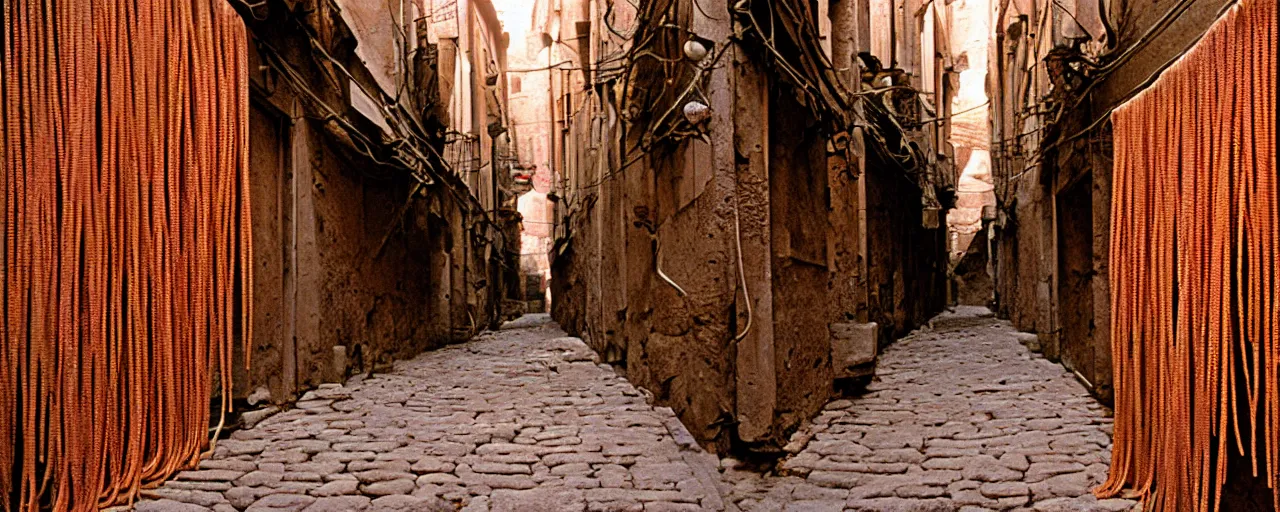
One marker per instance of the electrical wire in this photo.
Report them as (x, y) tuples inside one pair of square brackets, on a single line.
[(742, 269), (657, 266), (1043, 150), (1114, 63), (253, 9), (954, 114), (422, 173), (1133, 91), (557, 65), (1071, 15)]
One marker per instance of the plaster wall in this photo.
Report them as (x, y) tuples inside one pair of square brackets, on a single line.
[(355, 264), (671, 212), (378, 305), (906, 268), (375, 25), (1051, 258), (646, 265), (801, 262)]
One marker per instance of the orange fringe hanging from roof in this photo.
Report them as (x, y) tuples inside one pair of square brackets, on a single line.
[(126, 241), (1195, 264)]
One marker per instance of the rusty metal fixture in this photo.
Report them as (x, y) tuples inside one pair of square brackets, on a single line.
[(641, 213), (1061, 64), (1195, 264), (128, 250)]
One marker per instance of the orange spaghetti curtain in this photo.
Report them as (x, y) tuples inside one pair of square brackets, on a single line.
[(1195, 259), (126, 217)]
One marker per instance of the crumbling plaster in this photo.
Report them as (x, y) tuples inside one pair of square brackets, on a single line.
[(757, 185), (1070, 313), (350, 255)]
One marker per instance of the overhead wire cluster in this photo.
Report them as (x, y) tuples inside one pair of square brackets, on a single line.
[(1092, 71), (408, 147), (648, 64), (656, 74), (659, 83)]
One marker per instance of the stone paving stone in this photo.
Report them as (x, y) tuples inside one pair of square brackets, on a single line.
[(523, 419), (167, 505), (338, 504)]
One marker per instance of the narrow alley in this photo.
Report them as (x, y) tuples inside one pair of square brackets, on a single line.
[(526, 419), (522, 419), (960, 417), (639, 255)]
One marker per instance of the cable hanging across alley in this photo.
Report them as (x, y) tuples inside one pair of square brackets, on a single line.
[(127, 245), (1195, 272)]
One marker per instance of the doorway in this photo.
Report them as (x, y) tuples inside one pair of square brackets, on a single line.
[(1075, 276)]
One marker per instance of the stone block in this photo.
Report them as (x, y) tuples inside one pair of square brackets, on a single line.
[(852, 344), (339, 370), (1030, 339)]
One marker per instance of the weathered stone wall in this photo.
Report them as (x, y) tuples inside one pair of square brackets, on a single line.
[(647, 267), (355, 262), (1031, 223), (1053, 181), (801, 264), (674, 212), (972, 273), (378, 305), (270, 199), (531, 67), (377, 300), (755, 361), (970, 136), (1052, 260), (907, 276)]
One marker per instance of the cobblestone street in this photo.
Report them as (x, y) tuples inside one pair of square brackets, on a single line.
[(518, 420), (962, 417)]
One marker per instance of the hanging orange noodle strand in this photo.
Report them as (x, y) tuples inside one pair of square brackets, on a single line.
[(125, 241), (1195, 266)]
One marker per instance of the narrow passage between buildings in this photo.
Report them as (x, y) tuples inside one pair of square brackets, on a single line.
[(961, 417)]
